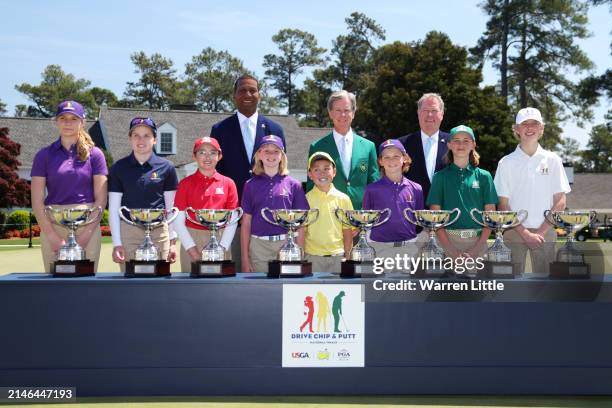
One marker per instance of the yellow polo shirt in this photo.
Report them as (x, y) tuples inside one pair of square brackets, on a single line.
[(324, 236)]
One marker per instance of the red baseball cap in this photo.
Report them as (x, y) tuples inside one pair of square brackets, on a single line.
[(206, 140)]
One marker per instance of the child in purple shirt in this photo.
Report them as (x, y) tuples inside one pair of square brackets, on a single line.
[(270, 187), (396, 192), (73, 171)]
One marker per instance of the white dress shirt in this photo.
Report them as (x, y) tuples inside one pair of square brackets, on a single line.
[(344, 144), (251, 122), (430, 159)]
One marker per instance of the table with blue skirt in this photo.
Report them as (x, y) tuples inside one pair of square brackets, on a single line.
[(112, 336)]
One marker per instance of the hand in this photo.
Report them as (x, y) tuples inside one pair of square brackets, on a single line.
[(194, 253), (533, 240), (246, 264), (85, 235), (454, 253), (172, 252), (118, 254), (55, 241)]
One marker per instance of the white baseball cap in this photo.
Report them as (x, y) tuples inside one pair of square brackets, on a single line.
[(528, 113)]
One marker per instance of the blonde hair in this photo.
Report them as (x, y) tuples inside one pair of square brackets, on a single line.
[(405, 166), (84, 142), (283, 166), (474, 157)]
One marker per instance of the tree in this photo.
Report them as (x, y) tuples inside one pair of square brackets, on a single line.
[(14, 191), (570, 151), (299, 49), (103, 96), (402, 72), (157, 84), (598, 154), (532, 43), (2, 108), (57, 86), (354, 51), (210, 78), (312, 100)]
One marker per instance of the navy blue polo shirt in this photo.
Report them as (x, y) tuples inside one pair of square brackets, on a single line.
[(142, 185)]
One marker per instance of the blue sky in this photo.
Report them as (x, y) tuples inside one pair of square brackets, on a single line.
[(94, 39)]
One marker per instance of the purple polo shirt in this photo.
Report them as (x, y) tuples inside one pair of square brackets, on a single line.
[(272, 192), (68, 180), (384, 193)]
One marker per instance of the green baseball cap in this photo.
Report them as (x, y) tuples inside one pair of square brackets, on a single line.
[(462, 129)]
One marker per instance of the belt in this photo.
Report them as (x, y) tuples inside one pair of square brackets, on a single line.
[(329, 256), (464, 233), (403, 243), (271, 237)]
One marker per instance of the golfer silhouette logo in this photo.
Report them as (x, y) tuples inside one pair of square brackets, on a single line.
[(337, 312), (309, 305), (322, 311)]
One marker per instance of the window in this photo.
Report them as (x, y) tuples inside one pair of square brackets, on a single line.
[(166, 139)]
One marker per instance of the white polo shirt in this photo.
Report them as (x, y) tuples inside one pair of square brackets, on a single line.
[(529, 182)]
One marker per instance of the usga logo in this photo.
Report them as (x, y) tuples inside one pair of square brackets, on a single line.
[(343, 355), (299, 354)]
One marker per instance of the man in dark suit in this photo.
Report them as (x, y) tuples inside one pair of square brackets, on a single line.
[(427, 147), (239, 133)]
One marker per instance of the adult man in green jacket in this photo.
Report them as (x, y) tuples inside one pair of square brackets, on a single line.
[(354, 155)]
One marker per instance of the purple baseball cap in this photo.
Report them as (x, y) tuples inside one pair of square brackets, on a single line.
[(271, 139), (391, 143), (72, 107), (148, 122)]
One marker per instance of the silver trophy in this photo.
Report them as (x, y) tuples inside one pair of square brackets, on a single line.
[(290, 220), (214, 220), (431, 220), (499, 256), (71, 257), (147, 256), (290, 257), (364, 220), (570, 260)]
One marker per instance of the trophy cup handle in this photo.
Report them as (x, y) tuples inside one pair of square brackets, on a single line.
[(174, 213), (519, 220), (475, 219), (409, 219), (341, 216), (314, 218), (265, 217), (124, 218), (456, 217), (235, 218), (380, 222), (549, 218), (189, 216), (49, 213), (97, 218)]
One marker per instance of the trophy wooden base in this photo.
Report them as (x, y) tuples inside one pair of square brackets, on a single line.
[(293, 269), (147, 269), (72, 269), (210, 269), (358, 269), (499, 270), (569, 270)]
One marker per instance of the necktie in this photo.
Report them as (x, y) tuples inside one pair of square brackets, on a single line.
[(249, 140), (345, 156), (429, 164)]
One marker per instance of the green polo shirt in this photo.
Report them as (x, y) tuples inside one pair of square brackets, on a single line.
[(454, 187)]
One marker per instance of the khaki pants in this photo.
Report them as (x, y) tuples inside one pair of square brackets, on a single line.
[(540, 257), (387, 250), (132, 237), (464, 244), (261, 252), (92, 250), (330, 264), (201, 238)]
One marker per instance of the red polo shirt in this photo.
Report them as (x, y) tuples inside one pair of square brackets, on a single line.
[(198, 191)]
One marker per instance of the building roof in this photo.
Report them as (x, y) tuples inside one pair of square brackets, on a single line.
[(193, 124), (591, 191), (33, 134)]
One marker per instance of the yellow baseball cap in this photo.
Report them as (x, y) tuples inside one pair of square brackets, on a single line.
[(320, 156)]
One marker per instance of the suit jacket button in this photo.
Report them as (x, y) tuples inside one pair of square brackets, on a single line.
[(348, 183)]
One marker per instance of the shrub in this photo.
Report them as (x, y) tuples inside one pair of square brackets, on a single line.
[(105, 231), (12, 234), (104, 220), (19, 219)]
